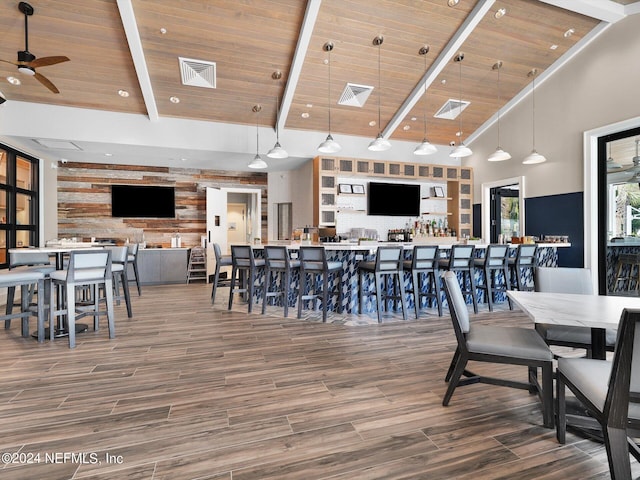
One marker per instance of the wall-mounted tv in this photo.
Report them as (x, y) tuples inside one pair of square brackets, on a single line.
[(393, 199), (142, 201)]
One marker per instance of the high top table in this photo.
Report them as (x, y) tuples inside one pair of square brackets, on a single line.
[(597, 312)]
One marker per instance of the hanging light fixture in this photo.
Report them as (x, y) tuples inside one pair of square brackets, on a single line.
[(461, 150), (611, 163), (257, 161), (534, 156), (499, 155), (277, 151), (380, 144), (425, 148), (329, 145)]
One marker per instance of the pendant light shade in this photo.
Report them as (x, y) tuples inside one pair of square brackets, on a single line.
[(534, 156), (499, 155), (329, 145), (277, 151), (257, 162), (380, 144), (425, 148), (461, 150)]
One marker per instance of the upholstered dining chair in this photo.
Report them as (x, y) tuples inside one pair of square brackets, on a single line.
[(610, 391), (567, 280), (496, 344)]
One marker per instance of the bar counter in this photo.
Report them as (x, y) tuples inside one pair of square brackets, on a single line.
[(351, 253)]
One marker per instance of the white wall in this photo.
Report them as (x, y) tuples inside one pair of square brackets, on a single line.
[(600, 86), (48, 202)]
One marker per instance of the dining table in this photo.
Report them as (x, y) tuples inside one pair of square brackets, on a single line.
[(597, 312)]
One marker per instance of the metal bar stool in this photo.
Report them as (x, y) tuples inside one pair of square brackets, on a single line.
[(461, 261), (119, 262), (387, 266), (624, 270), (494, 262), (278, 264), (245, 265), (132, 259), (424, 261), (521, 267), (315, 267), (221, 261), (25, 279)]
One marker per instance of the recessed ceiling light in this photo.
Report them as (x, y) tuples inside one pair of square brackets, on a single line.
[(501, 12), (443, 81), (309, 105), (453, 3), (163, 30), (372, 123), (183, 159), (123, 93), (553, 47), (108, 154), (458, 134), (413, 119), (14, 80), (305, 115), (406, 127), (569, 32), (174, 99)]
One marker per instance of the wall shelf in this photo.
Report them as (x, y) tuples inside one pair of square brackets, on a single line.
[(436, 213)]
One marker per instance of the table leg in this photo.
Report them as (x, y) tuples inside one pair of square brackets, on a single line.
[(598, 343)]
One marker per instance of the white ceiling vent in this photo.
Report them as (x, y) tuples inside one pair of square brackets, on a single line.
[(451, 109), (56, 144), (197, 73), (355, 95)]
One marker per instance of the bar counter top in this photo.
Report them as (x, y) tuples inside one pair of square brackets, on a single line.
[(353, 246)]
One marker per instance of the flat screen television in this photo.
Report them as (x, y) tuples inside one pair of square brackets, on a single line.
[(142, 201), (393, 199)]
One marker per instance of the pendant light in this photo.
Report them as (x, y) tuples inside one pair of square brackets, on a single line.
[(499, 155), (611, 163), (257, 162), (380, 144), (277, 151), (534, 156), (461, 150), (329, 145), (425, 148)]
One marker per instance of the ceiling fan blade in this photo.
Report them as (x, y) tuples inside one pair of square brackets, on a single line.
[(44, 61), (12, 63), (46, 82)]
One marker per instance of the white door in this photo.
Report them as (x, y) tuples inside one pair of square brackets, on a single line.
[(216, 225), (237, 223)]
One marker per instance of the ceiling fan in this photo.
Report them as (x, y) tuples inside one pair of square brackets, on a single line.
[(633, 169), (27, 62)]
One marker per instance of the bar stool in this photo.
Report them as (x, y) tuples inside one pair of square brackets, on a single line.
[(625, 264), (27, 260), (494, 262), (221, 261), (424, 261), (245, 265), (119, 261), (278, 264), (315, 267), (388, 266), (461, 261), (25, 279), (133, 260), (521, 267)]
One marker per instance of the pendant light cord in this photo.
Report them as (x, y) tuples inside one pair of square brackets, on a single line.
[(257, 137), (379, 86), (533, 109), (329, 88), (499, 105), (425, 98)]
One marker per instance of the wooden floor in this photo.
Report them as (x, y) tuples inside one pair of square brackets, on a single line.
[(191, 391)]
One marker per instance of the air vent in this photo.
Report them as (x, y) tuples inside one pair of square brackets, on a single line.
[(197, 73), (56, 144), (451, 109), (355, 95)]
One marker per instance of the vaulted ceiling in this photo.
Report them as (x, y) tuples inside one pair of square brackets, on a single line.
[(135, 45)]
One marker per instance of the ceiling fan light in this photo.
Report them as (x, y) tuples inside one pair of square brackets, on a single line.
[(425, 148), (499, 155), (460, 151), (257, 163), (380, 144), (277, 152), (23, 69), (329, 145), (533, 158)]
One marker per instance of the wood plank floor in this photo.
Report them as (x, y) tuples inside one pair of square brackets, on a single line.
[(191, 391)]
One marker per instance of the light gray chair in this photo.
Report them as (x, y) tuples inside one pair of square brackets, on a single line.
[(610, 391), (278, 264), (31, 261), (221, 261), (245, 271), (496, 344), (25, 279), (425, 275), (316, 272), (568, 280), (132, 259), (86, 268), (119, 265), (461, 260)]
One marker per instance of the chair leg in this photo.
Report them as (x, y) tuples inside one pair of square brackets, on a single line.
[(436, 283), (286, 278), (11, 292), (452, 365), (265, 290), (301, 289), (472, 286), (458, 370), (216, 277), (71, 314), (561, 411), (403, 300), (615, 440), (547, 395), (137, 276), (126, 293), (42, 295), (379, 279), (250, 284), (234, 272), (325, 295), (416, 292)]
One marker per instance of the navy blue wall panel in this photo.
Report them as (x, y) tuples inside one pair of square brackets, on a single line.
[(477, 220), (558, 215)]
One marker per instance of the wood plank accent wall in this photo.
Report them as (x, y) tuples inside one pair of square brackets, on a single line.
[(84, 201)]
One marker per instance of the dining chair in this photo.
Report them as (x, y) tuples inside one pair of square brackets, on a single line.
[(86, 268), (132, 259), (278, 264), (119, 265), (221, 261), (387, 267), (495, 272), (568, 280), (460, 261), (320, 279), (496, 344), (425, 276), (521, 267), (245, 269), (610, 392), (28, 260), (25, 279)]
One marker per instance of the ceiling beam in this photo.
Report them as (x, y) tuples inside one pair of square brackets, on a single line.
[(449, 51), (310, 18), (604, 10), (137, 54)]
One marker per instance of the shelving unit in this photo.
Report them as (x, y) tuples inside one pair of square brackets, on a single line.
[(197, 268)]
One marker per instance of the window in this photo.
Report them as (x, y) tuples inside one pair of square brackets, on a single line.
[(18, 201)]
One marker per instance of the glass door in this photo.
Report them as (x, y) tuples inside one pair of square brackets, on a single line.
[(505, 213)]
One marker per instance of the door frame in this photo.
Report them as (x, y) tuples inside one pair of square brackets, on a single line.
[(486, 204)]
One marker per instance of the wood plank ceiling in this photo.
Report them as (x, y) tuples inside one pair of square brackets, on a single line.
[(251, 39)]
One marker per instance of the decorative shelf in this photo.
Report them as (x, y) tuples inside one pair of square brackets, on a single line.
[(437, 198), (436, 213)]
